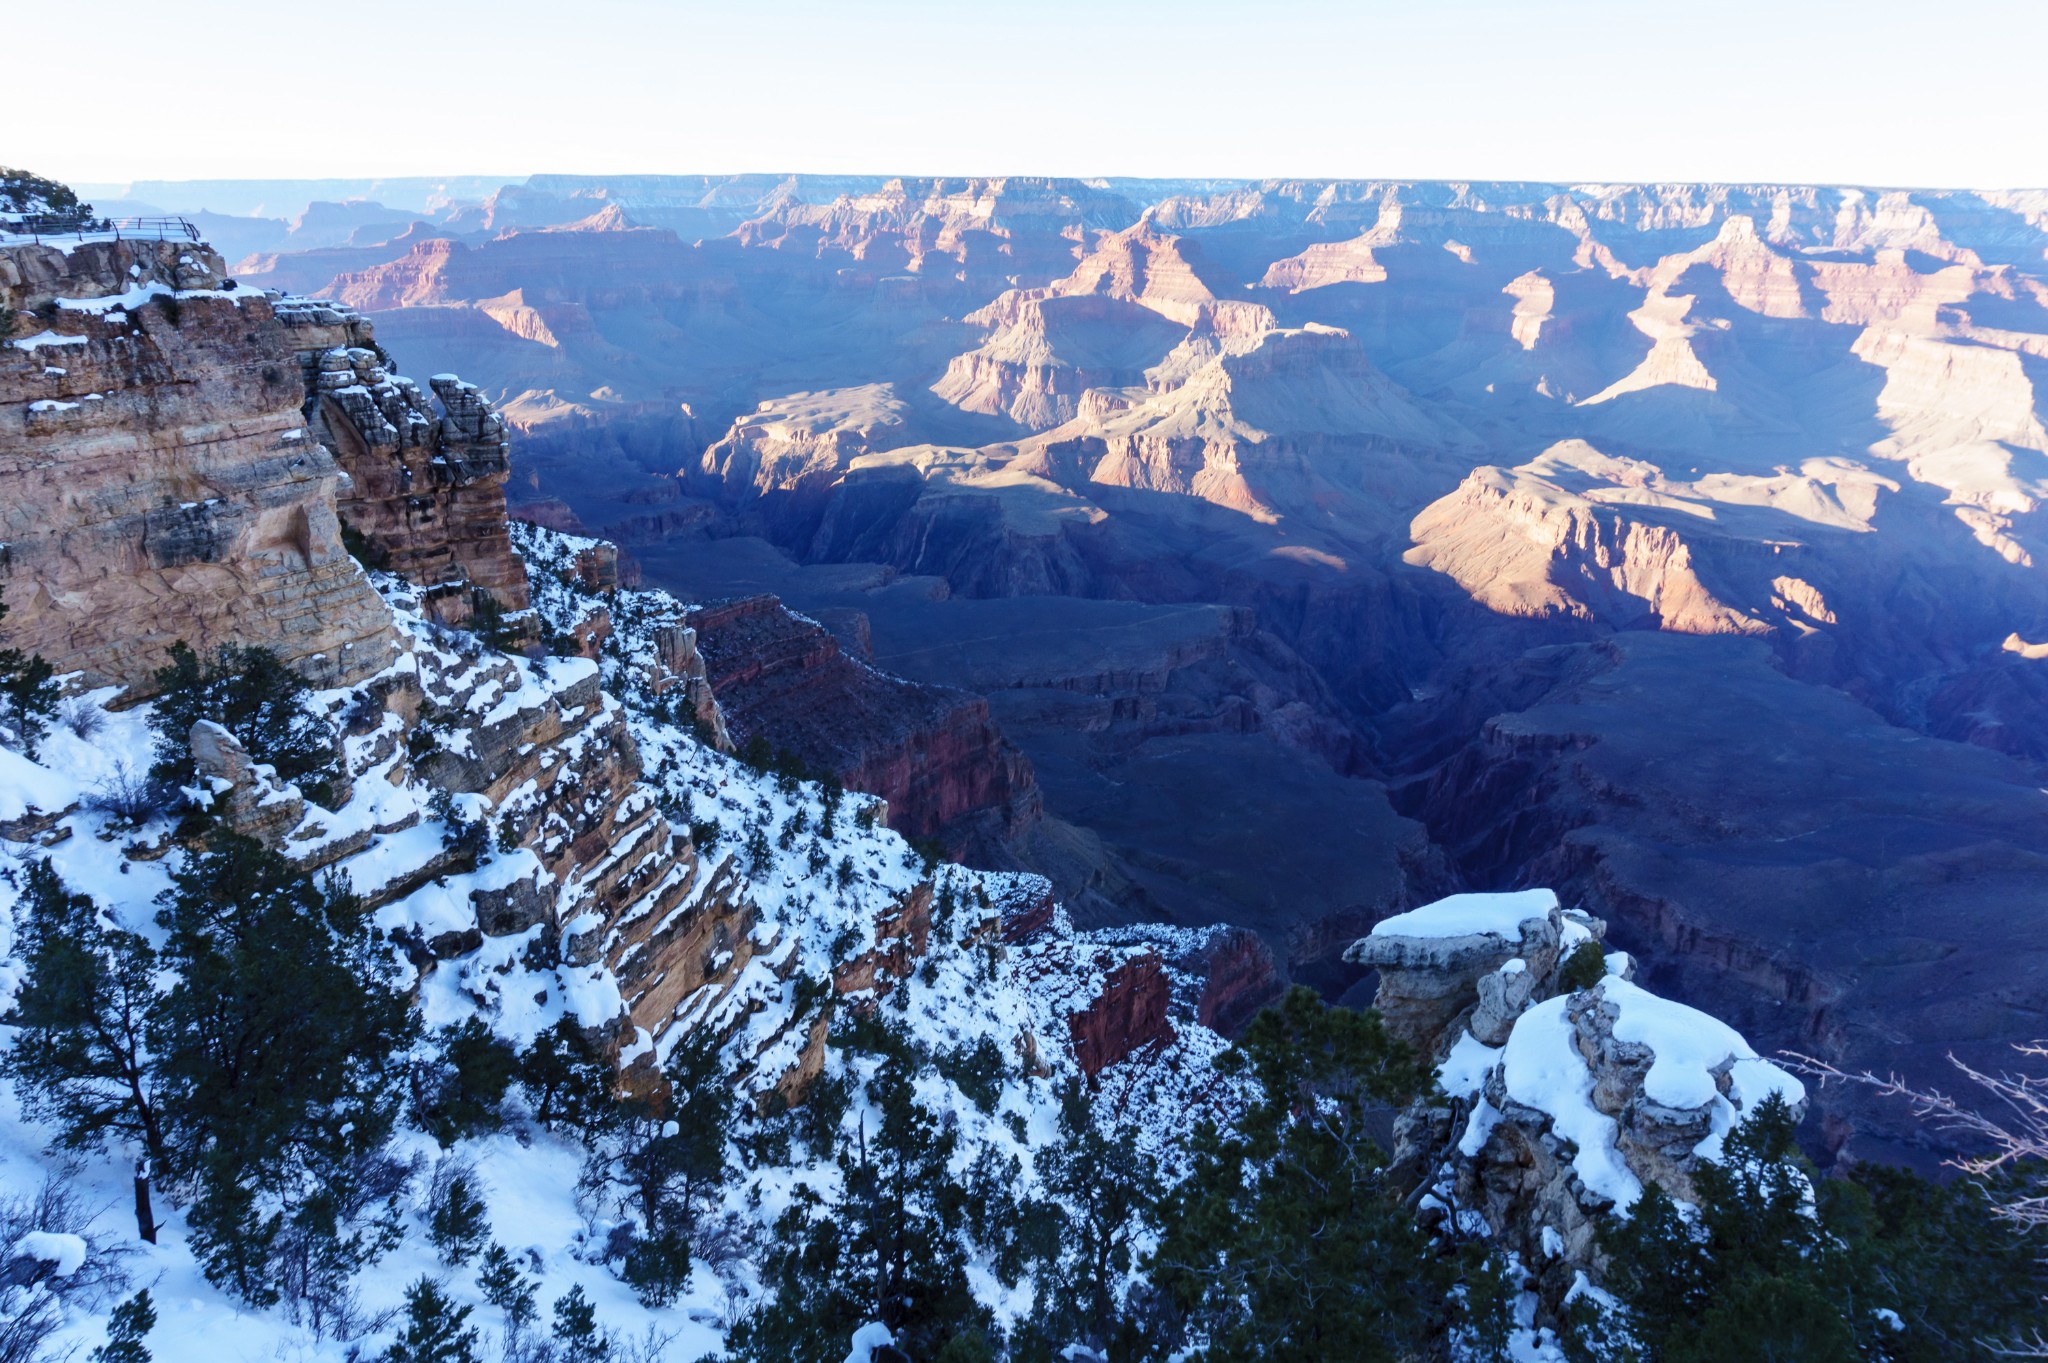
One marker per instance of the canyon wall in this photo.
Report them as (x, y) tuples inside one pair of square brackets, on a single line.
[(157, 481)]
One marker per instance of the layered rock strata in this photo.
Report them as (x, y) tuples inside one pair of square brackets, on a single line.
[(426, 489), (1563, 1093), (157, 483), (930, 752)]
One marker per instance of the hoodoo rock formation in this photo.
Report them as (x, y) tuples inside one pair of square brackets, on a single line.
[(1562, 1096)]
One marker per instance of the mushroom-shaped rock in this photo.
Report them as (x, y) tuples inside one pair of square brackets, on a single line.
[(1431, 960)]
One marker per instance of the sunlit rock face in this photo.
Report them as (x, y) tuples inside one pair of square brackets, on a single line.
[(157, 481)]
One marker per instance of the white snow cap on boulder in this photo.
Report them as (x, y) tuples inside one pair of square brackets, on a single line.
[(867, 1340), (64, 1253), (1636, 1082), (1471, 915)]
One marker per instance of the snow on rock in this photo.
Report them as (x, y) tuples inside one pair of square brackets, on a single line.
[(541, 839), (1470, 956), (65, 1254), (26, 786), (1542, 1071), (1471, 915), (45, 338), (867, 1339), (1556, 1106)]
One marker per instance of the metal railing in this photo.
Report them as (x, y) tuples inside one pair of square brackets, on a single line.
[(40, 225)]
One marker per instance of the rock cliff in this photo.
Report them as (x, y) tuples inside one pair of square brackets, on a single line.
[(426, 490), (930, 752), (1562, 1094), (157, 481)]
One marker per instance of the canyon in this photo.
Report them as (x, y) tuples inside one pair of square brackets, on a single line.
[(1288, 553)]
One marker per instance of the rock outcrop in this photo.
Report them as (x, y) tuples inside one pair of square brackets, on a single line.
[(930, 752), (427, 491), (1563, 1094), (1128, 1015), (157, 481)]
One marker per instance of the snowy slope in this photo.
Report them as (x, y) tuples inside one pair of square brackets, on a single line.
[(821, 905)]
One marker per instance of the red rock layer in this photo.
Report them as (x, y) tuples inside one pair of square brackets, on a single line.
[(930, 751), (1126, 1017)]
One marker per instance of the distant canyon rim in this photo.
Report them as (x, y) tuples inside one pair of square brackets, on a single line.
[(1287, 553)]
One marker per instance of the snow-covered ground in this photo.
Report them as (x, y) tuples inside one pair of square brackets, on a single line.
[(819, 899)]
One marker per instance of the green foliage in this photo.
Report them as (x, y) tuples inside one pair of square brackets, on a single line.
[(818, 1120), (930, 852), (1961, 1278), (466, 837), (126, 1329), (81, 1063), (1110, 1193), (578, 1336), (977, 1071), (666, 1157), (24, 192), (489, 622), (456, 1223), (251, 693), (891, 1250), (1754, 1275), (461, 1090), (1584, 968), (786, 767), (506, 1288), (28, 695), (1011, 1233), (568, 1080), (436, 1329), (277, 1051), (1288, 1242)]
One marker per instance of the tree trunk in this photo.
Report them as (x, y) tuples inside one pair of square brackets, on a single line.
[(145, 1215)]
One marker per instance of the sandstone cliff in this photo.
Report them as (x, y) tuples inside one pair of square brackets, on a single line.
[(427, 491), (930, 752), (157, 482)]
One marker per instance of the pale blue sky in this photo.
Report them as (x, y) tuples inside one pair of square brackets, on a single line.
[(1879, 92)]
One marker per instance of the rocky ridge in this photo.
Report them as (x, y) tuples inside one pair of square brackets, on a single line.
[(1559, 1099)]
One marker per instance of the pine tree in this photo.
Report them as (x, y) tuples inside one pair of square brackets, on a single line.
[(28, 696), (252, 693), (890, 1251), (1109, 1194), (126, 1328), (1959, 1279), (506, 1288), (668, 1156), (436, 1329), (1753, 1274), (1288, 1243), (568, 1081), (458, 1225), (460, 1091), (278, 1054), (578, 1337), (84, 1008)]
